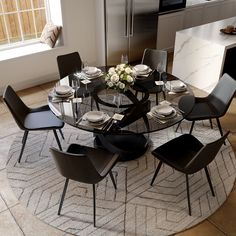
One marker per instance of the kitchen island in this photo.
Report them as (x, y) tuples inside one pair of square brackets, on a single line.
[(202, 54)]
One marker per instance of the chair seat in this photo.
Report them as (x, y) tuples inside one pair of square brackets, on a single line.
[(201, 110), (41, 120), (178, 152), (101, 159)]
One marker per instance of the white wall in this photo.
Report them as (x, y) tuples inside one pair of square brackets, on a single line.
[(78, 35)]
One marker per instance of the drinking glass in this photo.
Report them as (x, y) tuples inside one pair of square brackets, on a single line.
[(160, 69), (124, 59), (117, 100), (76, 84)]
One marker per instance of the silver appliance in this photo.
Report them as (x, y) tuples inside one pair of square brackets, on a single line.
[(171, 5), (130, 27)]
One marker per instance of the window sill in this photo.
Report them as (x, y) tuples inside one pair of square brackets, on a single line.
[(24, 51)]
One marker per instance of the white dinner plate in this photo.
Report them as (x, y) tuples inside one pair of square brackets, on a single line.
[(177, 86), (93, 75), (63, 89), (141, 68), (95, 116), (164, 110), (91, 70), (71, 93)]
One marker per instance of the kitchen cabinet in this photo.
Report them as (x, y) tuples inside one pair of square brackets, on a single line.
[(211, 12), (227, 9), (167, 27), (192, 16)]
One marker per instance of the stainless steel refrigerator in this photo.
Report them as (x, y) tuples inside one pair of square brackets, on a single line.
[(130, 26)]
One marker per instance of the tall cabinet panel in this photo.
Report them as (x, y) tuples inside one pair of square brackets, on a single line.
[(143, 27), (116, 20)]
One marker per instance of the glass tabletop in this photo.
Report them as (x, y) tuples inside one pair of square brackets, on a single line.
[(92, 107)]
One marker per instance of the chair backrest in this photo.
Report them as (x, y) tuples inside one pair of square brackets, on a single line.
[(77, 167), (186, 104), (154, 57), (69, 64), (16, 106), (222, 94), (205, 155)]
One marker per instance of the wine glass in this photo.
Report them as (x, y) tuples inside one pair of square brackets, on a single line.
[(76, 84), (160, 69)]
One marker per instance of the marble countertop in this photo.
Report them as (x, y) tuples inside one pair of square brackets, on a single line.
[(211, 32), (191, 3)]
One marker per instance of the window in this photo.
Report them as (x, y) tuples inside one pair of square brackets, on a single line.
[(22, 20)]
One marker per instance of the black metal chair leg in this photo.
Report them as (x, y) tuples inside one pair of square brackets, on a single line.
[(23, 144), (164, 95), (94, 206), (63, 196), (156, 172), (209, 181), (188, 195), (191, 129), (157, 99), (57, 139), (91, 103), (62, 135), (220, 128), (112, 179), (177, 126), (210, 120)]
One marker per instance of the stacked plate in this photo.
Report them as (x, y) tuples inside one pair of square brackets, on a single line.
[(63, 91), (177, 86), (163, 112), (96, 118), (92, 72), (142, 69)]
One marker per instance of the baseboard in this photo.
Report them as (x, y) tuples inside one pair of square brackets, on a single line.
[(31, 83)]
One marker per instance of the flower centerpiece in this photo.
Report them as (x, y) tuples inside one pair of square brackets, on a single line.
[(120, 77)]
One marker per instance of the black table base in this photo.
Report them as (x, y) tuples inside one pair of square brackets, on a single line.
[(129, 146)]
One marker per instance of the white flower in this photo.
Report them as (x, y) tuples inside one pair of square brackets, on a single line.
[(114, 78), (111, 70), (120, 66), (128, 70), (120, 77), (121, 85), (130, 79), (110, 84)]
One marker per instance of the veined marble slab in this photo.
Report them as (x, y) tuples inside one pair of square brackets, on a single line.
[(200, 51)]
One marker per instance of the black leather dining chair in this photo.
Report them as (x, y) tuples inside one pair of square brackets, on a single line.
[(188, 155), (31, 119), (68, 64), (215, 105), (86, 165), (154, 58)]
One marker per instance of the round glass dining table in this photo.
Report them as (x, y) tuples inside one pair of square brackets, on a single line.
[(92, 94), (123, 118)]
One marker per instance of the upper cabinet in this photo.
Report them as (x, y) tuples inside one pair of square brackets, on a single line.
[(193, 15)]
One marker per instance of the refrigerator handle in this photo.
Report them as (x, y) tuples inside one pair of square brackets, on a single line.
[(132, 19), (126, 18)]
